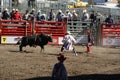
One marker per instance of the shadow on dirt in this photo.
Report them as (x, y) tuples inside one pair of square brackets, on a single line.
[(114, 53), (15, 51), (85, 77), (53, 54), (80, 52)]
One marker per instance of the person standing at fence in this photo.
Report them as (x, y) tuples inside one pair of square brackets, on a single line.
[(85, 17), (25, 15), (74, 17), (11, 13), (51, 15), (32, 15), (93, 16), (59, 16), (109, 19), (68, 43), (68, 17), (90, 41), (5, 14), (16, 15), (43, 17), (38, 16), (59, 70)]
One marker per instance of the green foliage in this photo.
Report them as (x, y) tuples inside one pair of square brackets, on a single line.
[(119, 2)]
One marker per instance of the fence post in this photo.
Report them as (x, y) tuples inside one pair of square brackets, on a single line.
[(98, 33), (33, 26), (25, 28), (0, 31)]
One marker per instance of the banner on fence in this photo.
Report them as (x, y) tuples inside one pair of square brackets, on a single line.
[(10, 39), (12, 30), (111, 41), (110, 35)]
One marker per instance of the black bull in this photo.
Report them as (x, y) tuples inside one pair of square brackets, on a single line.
[(35, 40)]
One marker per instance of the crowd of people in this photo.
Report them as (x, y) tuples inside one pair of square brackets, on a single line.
[(38, 16), (68, 15)]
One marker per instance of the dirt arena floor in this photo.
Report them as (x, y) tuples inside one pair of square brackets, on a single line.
[(101, 64)]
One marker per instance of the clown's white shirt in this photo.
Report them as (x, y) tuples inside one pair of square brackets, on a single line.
[(68, 41)]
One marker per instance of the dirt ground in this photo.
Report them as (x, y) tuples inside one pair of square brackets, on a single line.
[(101, 64)]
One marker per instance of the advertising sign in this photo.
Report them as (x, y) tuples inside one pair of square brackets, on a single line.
[(111, 41), (10, 39), (111, 34)]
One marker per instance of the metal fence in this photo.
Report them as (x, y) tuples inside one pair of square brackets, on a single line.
[(74, 26), (79, 28)]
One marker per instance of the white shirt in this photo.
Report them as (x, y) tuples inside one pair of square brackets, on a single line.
[(69, 38)]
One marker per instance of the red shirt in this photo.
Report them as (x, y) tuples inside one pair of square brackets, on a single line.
[(16, 16)]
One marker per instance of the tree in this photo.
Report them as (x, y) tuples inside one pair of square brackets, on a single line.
[(119, 2)]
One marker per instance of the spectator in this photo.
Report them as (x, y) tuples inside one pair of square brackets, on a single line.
[(99, 16), (68, 15), (25, 15), (85, 15), (11, 13), (43, 17), (51, 15), (74, 17), (59, 71), (32, 15), (68, 42), (16, 15), (109, 19), (38, 16), (5, 14), (93, 16), (59, 16)]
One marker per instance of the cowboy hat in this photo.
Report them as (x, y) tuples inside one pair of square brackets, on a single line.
[(39, 10), (59, 10), (84, 11), (13, 9), (74, 11), (68, 32), (16, 10), (61, 58), (33, 9), (6, 9)]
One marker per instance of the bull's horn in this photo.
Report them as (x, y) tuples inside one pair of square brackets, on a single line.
[(50, 34)]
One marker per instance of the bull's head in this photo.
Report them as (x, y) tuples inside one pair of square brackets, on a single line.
[(50, 38)]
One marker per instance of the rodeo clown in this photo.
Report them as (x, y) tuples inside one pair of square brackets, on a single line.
[(68, 42), (90, 41)]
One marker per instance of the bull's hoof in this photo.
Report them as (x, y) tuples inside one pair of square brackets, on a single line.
[(20, 50)]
